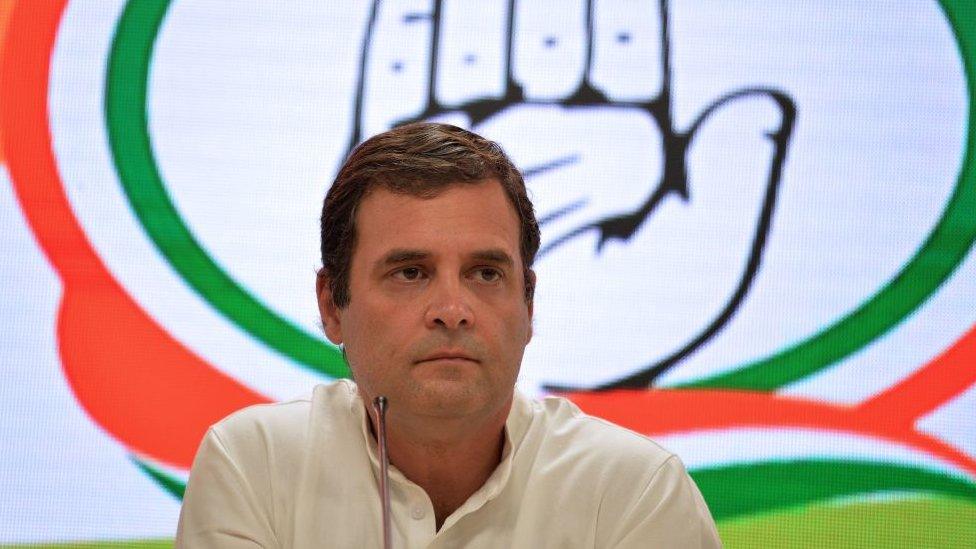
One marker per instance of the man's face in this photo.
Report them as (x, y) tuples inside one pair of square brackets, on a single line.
[(437, 319)]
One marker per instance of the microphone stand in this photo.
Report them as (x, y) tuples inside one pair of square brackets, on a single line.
[(379, 406)]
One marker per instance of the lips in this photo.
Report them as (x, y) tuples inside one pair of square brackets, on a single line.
[(448, 355)]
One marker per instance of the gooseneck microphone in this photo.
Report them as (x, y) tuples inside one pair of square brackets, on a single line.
[(379, 406)]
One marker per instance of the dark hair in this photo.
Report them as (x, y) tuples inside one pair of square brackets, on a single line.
[(420, 159)]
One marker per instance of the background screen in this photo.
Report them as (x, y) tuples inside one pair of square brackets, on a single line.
[(757, 227)]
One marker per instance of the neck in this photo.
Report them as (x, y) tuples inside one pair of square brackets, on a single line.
[(449, 458)]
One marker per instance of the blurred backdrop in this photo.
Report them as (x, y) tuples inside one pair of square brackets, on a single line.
[(757, 224)]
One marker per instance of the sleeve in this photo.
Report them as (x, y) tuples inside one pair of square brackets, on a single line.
[(670, 512), (220, 508)]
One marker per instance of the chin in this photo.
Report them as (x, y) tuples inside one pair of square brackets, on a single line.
[(452, 398)]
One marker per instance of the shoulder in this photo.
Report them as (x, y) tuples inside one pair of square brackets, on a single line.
[(595, 440), (637, 492), (580, 453), (280, 424)]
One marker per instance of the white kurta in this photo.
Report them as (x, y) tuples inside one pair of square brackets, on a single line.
[(304, 474)]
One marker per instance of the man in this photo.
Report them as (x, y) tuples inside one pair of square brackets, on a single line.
[(428, 238)]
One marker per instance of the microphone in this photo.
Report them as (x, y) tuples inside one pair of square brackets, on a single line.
[(379, 406)]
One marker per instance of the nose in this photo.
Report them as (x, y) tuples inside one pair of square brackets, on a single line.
[(449, 307)]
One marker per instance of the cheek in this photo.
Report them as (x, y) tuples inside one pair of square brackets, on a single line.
[(514, 330), (375, 332)]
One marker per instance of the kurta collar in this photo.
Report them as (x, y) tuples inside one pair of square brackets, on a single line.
[(516, 426)]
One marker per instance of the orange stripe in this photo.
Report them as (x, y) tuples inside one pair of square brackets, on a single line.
[(129, 374), (6, 6), (659, 412), (947, 376)]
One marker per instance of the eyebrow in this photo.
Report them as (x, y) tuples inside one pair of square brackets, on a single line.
[(494, 255), (400, 255), (403, 255)]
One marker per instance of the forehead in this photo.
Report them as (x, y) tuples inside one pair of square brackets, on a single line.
[(461, 218)]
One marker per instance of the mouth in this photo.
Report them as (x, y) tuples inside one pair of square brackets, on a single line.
[(448, 356)]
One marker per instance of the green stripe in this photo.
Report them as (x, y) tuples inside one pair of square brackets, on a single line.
[(175, 486), (892, 524), (942, 252), (128, 544), (896, 524), (749, 489), (128, 129), (742, 490)]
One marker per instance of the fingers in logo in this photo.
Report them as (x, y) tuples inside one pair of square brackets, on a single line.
[(396, 66), (433, 59), (423, 59), (550, 48), (471, 52), (627, 41)]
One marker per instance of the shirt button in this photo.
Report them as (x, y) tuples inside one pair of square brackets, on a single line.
[(417, 512)]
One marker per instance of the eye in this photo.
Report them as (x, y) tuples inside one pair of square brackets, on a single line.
[(408, 274), (487, 274)]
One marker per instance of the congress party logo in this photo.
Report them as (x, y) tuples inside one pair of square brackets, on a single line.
[(749, 213)]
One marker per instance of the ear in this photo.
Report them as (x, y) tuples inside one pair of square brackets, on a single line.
[(328, 311), (531, 302)]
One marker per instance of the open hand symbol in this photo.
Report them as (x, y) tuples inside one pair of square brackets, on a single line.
[(581, 97)]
